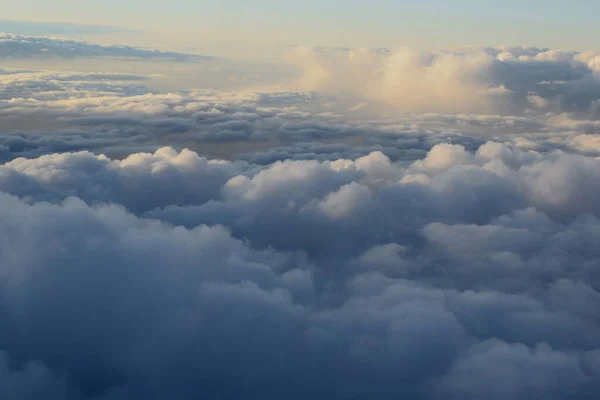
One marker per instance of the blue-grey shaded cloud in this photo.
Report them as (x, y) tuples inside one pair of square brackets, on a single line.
[(182, 313), (390, 280), (19, 46), (206, 244)]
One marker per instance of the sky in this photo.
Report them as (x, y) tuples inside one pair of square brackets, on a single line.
[(354, 23), (328, 200)]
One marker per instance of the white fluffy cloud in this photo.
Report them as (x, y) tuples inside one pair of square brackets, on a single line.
[(476, 80), (295, 245)]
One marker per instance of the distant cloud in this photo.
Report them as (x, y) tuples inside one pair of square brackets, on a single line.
[(469, 80), (19, 46), (118, 113)]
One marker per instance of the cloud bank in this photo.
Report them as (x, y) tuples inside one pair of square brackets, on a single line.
[(507, 80), (18, 46), (294, 244)]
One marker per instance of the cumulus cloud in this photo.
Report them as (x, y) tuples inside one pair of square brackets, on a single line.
[(476, 80), (135, 182), (289, 244), (159, 311)]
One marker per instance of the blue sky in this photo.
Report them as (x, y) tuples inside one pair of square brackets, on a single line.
[(425, 23)]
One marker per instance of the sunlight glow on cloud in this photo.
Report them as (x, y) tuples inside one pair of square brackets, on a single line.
[(474, 80)]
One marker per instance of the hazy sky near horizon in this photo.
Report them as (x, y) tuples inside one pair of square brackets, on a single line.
[(355, 23)]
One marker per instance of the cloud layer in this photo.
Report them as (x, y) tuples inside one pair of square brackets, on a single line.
[(19, 46), (353, 276), (294, 244)]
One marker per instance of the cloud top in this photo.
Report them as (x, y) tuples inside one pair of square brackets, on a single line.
[(294, 244), (476, 80)]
